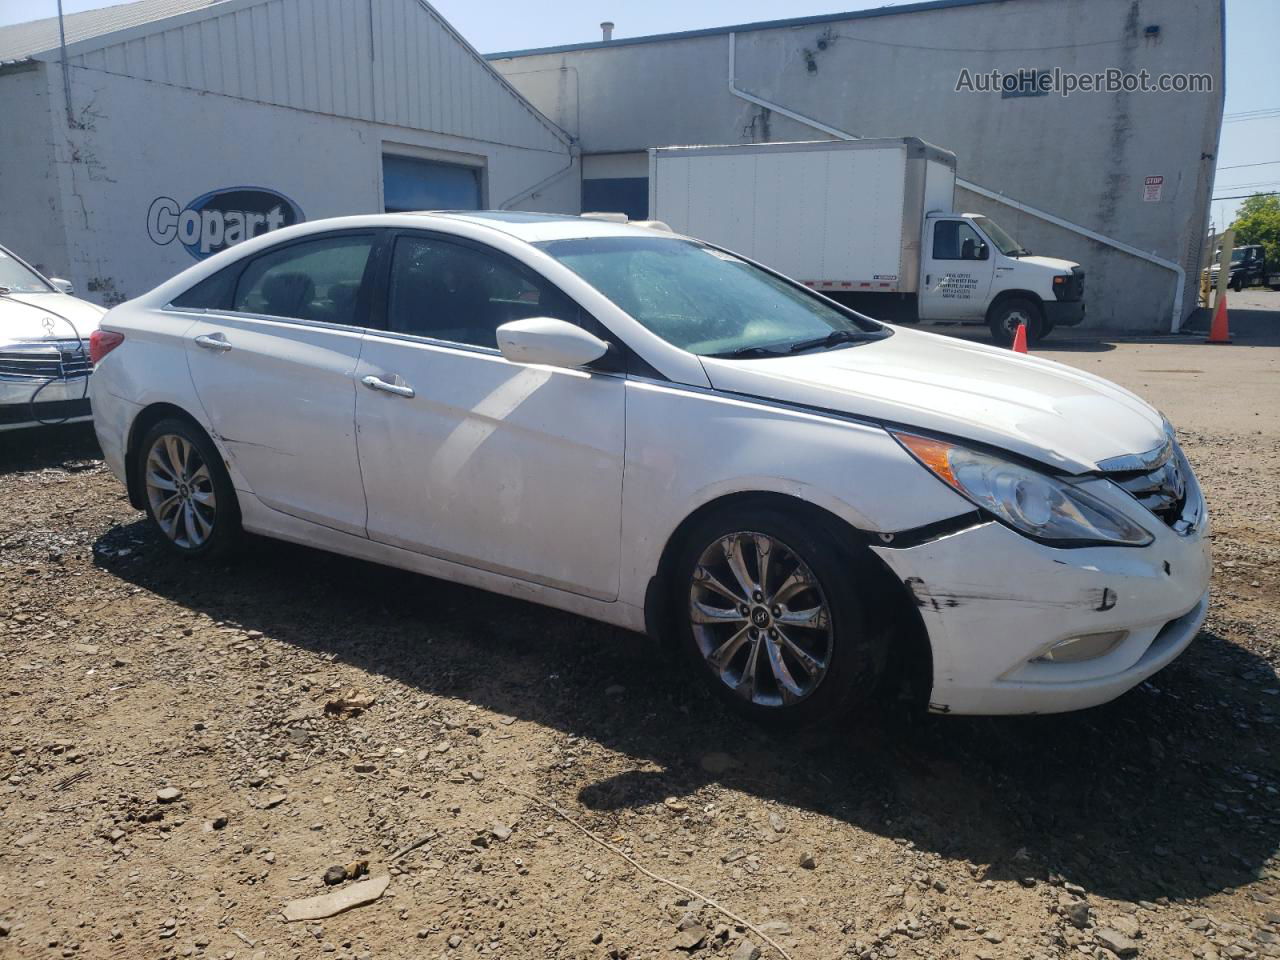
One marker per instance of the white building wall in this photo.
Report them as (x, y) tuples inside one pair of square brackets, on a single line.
[(893, 73), (31, 221), (142, 140), (300, 97), (387, 61)]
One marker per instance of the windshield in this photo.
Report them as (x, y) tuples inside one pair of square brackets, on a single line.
[(1004, 243), (1239, 253), (704, 300), (16, 277)]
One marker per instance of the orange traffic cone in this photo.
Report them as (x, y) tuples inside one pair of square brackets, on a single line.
[(1218, 329), (1020, 339)]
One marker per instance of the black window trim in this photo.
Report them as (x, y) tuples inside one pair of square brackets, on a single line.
[(363, 297)]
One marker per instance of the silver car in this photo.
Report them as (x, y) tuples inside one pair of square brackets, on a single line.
[(44, 347)]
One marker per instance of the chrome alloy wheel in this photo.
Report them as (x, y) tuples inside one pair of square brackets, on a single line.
[(180, 491), (760, 619)]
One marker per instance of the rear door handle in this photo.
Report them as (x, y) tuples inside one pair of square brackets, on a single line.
[(400, 390), (215, 342)]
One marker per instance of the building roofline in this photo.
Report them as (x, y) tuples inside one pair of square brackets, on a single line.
[(217, 8), (132, 31), (921, 7)]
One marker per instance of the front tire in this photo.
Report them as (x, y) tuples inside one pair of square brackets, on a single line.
[(769, 619), (1009, 314), (188, 493)]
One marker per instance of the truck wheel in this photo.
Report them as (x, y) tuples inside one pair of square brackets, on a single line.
[(1236, 284), (1009, 314)]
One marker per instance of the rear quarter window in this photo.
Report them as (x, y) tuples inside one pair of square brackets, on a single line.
[(212, 293)]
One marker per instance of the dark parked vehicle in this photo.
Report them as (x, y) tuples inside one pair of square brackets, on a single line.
[(1249, 268)]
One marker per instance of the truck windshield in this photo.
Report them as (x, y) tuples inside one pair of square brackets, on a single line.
[(16, 277), (706, 301), (1004, 243)]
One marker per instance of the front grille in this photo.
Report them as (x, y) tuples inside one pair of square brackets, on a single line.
[(46, 359), (1154, 479), (1073, 288)]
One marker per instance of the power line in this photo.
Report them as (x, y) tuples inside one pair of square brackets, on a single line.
[(1250, 185), (1265, 114), (1245, 113), (1245, 196), (1260, 163)]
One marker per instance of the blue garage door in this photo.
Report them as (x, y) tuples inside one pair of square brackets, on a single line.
[(412, 184)]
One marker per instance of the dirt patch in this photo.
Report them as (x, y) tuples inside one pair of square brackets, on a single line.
[(1151, 824)]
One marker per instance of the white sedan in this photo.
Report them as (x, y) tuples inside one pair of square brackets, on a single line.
[(44, 348), (647, 430)]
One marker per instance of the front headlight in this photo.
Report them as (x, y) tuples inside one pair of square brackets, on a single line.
[(1033, 503)]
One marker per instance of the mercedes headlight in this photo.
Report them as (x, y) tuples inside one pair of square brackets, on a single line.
[(1033, 503)]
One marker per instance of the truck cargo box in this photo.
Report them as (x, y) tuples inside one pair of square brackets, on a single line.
[(838, 215)]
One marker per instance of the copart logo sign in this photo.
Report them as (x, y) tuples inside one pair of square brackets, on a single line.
[(220, 218)]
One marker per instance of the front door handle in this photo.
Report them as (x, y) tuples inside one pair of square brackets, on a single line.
[(216, 342), (400, 390)]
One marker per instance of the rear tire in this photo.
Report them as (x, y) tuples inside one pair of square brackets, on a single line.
[(789, 645), (188, 492), (1005, 317)]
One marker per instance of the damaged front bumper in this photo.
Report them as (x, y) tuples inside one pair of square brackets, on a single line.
[(995, 604)]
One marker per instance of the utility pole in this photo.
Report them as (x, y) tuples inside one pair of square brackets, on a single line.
[(66, 75)]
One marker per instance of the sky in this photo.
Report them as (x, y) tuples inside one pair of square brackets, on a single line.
[(1248, 153)]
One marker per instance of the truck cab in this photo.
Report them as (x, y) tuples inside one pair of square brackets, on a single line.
[(973, 271), (1249, 267)]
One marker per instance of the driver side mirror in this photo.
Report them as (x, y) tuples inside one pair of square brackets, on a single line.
[(983, 251), (62, 286), (548, 341)]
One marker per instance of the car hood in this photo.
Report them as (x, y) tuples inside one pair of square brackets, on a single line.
[(41, 316), (1040, 409), (1051, 263)]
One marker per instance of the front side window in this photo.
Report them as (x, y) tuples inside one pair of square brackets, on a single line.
[(449, 291), (17, 277), (312, 280), (704, 300), (955, 240)]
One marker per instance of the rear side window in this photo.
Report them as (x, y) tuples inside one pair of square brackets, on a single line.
[(313, 280), (448, 291), (211, 293)]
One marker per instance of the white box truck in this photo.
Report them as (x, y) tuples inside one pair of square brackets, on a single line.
[(868, 222)]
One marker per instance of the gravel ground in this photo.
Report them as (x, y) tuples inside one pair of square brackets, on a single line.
[(184, 753)]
